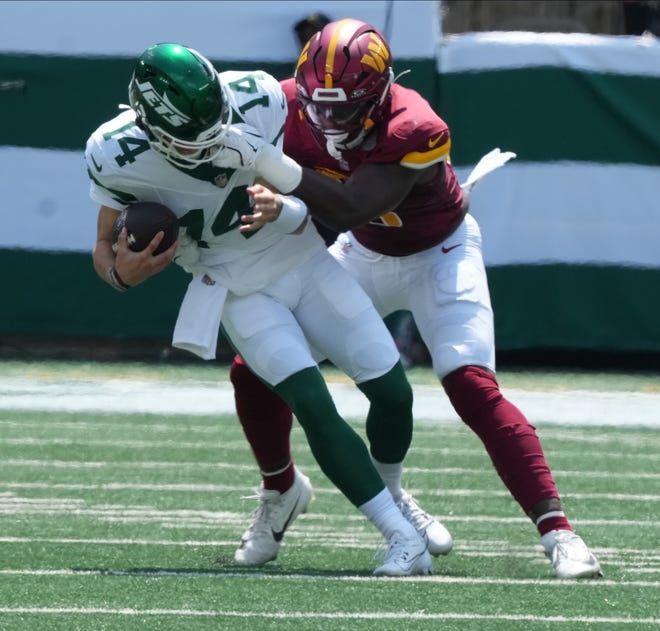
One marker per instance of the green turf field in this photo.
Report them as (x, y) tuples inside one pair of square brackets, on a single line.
[(121, 521)]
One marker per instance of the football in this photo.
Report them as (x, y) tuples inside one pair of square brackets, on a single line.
[(143, 220)]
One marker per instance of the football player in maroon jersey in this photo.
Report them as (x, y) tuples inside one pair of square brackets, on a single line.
[(376, 168)]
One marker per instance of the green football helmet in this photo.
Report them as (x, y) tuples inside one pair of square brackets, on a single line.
[(180, 103)]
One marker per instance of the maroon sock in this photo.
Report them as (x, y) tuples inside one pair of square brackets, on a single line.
[(266, 420), (509, 438)]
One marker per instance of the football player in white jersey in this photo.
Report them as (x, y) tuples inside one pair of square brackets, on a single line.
[(283, 300)]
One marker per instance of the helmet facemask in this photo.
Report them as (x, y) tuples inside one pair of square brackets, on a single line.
[(343, 121), (182, 152)]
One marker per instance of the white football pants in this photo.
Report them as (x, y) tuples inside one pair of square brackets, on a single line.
[(445, 288), (315, 310)]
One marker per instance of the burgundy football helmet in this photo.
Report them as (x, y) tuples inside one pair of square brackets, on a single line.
[(343, 78)]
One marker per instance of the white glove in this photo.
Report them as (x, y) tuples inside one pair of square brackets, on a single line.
[(241, 145), (187, 255), (492, 160)]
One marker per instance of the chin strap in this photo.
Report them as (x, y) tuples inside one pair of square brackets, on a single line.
[(332, 148)]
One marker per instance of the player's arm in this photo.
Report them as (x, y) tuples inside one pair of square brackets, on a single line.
[(371, 191), (125, 268)]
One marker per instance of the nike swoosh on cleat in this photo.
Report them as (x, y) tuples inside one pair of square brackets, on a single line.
[(277, 535), (450, 248)]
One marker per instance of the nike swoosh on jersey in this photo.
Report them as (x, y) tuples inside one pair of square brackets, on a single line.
[(277, 535), (99, 168), (450, 248), (434, 141), (257, 135)]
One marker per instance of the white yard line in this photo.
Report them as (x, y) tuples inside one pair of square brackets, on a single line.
[(298, 576), (338, 615), (580, 407), (444, 471), (6, 499)]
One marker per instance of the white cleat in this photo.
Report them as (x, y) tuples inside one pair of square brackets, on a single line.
[(405, 556), (437, 537), (569, 555), (276, 512)]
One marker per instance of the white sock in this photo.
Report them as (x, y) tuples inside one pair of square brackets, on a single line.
[(383, 513), (552, 513), (267, 474), (391, 475)]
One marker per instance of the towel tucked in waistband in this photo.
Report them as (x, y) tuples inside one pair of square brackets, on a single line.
[(198, 322)]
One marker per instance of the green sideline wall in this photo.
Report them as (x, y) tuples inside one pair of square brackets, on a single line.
[(571, 227)]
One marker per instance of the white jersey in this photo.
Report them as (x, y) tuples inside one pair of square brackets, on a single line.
[(208, 200)]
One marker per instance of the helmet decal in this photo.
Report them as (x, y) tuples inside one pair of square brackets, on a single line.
[(379, 54), (162, 105)]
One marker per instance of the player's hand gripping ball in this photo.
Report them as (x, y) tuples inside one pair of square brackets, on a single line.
[(143, 220)]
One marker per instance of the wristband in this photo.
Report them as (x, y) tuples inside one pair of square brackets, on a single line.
[(293, 213), (116, 281), (278, 169)]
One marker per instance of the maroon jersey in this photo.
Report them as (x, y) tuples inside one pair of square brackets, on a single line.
[(410, 133)]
